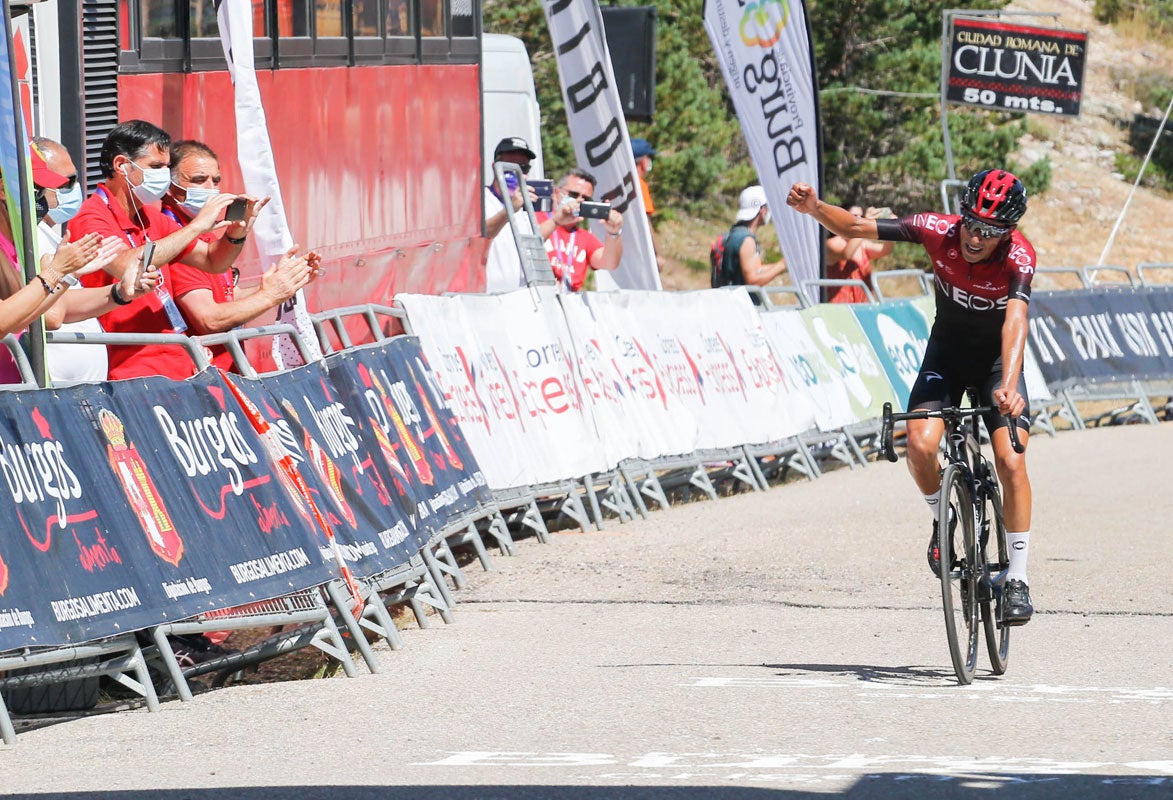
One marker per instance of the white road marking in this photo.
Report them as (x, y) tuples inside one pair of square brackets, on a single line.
[(1003, 691)]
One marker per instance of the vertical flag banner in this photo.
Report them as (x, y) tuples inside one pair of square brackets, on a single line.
[(598, 128), (764, 49), (255, 155), (10, 134)]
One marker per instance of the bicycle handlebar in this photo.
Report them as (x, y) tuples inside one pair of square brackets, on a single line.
[(948, 414)]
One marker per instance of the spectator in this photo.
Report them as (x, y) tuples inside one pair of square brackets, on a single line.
[(851, 259), (209, 301), (22, 303), (58, 197), (134, 162), (741, 256), (574, 250), (645, 155), (503, 270)]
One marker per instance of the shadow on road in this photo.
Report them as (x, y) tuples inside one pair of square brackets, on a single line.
[(885, 786), (871, 673)]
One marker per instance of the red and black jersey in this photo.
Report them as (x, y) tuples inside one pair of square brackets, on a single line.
[(971, 298)]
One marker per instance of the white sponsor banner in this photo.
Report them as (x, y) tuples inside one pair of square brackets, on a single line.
[(508, 362), (255, 155), (598, 128), (765, 55), (822, 400)]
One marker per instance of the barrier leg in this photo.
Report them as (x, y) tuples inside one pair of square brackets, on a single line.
[(573, 508), (167, 656), (745, 473), (633, 489), (499, 530), (445, 561), (329, 640), (617, 499), (341, 601), (473, 537), (531, 518), (596, 512), (7, 731), (753, 464), (136, 664), (377, 619), (441, 585), (701, 480)]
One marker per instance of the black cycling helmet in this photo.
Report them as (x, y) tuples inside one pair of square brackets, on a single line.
[(995, 195)]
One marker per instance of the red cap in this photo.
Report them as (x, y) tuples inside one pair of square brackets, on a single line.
[(42, 175)]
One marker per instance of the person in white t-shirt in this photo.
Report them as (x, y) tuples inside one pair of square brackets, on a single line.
[(503, 270)]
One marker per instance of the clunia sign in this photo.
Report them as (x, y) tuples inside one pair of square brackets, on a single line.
[(1016, 67)]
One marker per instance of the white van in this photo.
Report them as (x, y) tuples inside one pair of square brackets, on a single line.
[(509, 102)]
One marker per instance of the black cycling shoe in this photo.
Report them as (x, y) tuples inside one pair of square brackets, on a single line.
[(1016, 607)]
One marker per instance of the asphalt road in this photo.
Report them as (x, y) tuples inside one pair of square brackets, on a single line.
[(770, 646)]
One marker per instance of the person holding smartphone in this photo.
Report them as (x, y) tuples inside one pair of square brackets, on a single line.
[(212, 302), (572, 248), (135, 163)]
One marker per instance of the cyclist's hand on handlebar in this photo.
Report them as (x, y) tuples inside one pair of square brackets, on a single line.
[(1009, 402), (802, 198)]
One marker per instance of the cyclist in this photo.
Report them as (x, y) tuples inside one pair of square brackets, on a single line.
[(983, 268)]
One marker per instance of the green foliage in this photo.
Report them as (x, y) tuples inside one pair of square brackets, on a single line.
[(1156, 15), (878, 149)]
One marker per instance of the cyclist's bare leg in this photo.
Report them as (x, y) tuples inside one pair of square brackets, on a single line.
[(924, 443), (1011, 467)]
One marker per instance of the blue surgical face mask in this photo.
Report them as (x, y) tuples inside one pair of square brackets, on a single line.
[(68, 204), (197, 196), (154, 185)]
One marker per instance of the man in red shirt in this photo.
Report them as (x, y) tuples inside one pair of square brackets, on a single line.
[(209, 301), (574, 250), (134, 161)]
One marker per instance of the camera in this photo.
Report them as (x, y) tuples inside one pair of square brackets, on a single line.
[(592, 210)]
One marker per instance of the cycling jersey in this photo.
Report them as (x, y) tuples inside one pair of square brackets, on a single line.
[(971, 298)]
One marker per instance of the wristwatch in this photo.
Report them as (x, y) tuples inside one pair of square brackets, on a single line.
[(70, 281)]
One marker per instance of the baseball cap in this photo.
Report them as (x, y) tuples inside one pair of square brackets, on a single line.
[(42, 175), (641, 148), (750, 203), (513, 144)]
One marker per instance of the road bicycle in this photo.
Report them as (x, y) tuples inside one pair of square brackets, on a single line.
[(972, 537)]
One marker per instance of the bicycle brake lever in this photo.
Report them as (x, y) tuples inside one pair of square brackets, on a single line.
[(886, 435)]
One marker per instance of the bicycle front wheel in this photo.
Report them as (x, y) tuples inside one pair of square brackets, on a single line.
[(997, 560), (958, 571)]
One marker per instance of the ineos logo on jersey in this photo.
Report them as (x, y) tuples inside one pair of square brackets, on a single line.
[(1022, 258), (939, 225), (975, 302)]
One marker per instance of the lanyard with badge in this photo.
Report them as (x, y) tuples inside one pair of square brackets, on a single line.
[(566, 257), (178, 323)]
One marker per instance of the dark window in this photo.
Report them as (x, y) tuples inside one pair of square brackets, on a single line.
[(160, 19), (432, 22), (366, 18)]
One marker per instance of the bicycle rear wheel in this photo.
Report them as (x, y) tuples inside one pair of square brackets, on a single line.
[(959, 578), (995, 556)]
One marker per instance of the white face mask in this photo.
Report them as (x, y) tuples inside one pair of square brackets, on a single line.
[(68, 204), (154, 185), (196, 196)]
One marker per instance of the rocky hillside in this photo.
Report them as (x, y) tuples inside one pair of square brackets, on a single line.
[(1071, 223)]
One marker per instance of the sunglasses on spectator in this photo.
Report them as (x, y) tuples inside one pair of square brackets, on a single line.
[(579, 196), (983, 229)]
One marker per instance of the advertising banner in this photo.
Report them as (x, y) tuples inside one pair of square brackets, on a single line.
[(506, 362), (1008, 67), (822, 400), (764, 51), (837, 334), (1088, 337), (899, 335), (321, 434), (594, 113)]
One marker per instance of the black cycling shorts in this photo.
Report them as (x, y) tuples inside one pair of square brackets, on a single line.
[(949, 368)]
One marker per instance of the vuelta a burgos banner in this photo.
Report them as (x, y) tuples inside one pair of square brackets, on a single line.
[(1087, 337), (598, 128), (1006, 67), (320, 433), (822, 401), (837, 334), (506, 365), (764, 49)]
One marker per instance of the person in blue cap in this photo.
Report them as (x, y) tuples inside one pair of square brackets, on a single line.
[(644, 154)]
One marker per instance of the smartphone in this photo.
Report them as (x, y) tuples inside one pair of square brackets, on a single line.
[(542, 188), (148, 254), (592, 210), (235, 210)]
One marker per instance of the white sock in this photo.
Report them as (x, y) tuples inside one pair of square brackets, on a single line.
[(1018, 545), (933, 500)]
